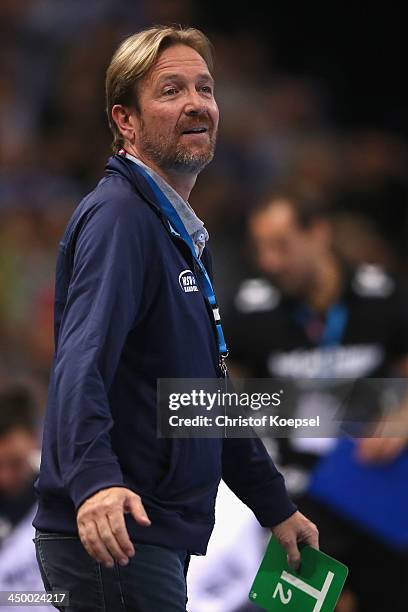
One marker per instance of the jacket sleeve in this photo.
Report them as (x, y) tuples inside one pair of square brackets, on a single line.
[(251, 474), (101, 306)]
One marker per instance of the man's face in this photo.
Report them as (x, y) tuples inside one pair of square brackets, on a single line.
[(178, 120), (284, 251), (16, 448)]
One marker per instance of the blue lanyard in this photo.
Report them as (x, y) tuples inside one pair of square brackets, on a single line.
[(177, 228), (334, 328), (333, 332)]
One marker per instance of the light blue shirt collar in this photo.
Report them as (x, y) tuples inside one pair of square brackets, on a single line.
[(194, 225)]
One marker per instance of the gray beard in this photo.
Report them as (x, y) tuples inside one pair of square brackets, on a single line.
[(177, 158)]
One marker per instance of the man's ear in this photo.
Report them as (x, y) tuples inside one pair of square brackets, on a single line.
[(127, 121)]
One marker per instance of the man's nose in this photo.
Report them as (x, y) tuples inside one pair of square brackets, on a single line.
[(195, 105)]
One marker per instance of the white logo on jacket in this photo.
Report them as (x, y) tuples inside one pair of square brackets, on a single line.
[(187, 281)]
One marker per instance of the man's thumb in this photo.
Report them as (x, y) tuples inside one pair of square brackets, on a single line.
[(138, 512)]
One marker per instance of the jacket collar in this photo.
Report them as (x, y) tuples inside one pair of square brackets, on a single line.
[(118, 164)]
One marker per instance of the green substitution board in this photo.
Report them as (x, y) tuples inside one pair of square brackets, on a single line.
[(316, 587)]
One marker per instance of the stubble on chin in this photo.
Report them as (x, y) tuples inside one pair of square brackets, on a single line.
[(171, 154)]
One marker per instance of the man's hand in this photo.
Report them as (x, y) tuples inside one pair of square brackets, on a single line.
[(380, 450), (297, 528), (102, 527), (388, 439)]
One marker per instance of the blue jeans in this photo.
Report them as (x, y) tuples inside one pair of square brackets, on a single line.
[(154, 579)]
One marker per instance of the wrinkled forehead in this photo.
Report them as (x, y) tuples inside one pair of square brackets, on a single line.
[(179, 60)]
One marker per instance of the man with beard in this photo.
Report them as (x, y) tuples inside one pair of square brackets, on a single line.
[(310, 316), (121, 510)]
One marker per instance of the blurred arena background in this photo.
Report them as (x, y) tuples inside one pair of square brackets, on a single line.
[(311, 99)]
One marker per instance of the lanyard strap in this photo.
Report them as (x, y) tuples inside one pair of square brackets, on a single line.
[(332, 333), (177, 228), (334, 327)]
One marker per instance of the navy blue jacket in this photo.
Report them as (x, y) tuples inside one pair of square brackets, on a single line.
[(121, 322)]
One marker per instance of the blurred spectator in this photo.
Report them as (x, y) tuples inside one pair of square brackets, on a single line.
[(19, 464), (18, 446), (311, 316)]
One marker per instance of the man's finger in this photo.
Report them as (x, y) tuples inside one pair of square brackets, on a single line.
[(369, 449), (108, 538), (95, 546), (82, 536), (138, 512), (393, 448), (293, 553), (311, 536), (118, 527), (380, 450)]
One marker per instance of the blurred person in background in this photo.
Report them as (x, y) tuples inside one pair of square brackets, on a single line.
[(19, 463), (310, 315), (18, 448), (113, 497)]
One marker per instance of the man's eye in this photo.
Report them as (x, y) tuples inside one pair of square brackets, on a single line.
[(170, 92), (206, 89)]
